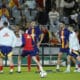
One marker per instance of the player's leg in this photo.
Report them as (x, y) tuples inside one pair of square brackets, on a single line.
[(42, 73), (1, 65), (37, 62), (11, 62), (75, 55), (37, 55), (19, 59), (68, 63), (29, 62), (75, 62), (1, 62), (19, 63), (38, 58), (59, 61), (78, 59)]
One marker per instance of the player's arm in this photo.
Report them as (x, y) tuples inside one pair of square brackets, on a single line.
[(41, 38), (67, 45), (41, 35), (71, 41), (67, 39), (23, 41), (14, 39)]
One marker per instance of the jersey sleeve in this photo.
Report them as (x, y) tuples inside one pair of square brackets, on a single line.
[(23, 40), (14, 39)]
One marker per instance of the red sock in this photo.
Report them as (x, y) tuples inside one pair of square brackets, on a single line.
[(29, 62), (78, 65), (38, 58), (12, 67), (1, 68)]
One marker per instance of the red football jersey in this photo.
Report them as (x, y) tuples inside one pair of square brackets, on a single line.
[(28, 42)]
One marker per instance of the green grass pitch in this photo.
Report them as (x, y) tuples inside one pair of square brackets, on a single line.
[(24, 75)]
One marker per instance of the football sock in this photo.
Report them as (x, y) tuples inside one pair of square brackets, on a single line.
[(19, 68), (58, 66), (76, 66), (1, 68), (11, 68), (29, 62), (79, 65), (38, 58), (41, 69), (68, 67)]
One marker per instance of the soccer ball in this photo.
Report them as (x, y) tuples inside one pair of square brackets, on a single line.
[(43, 74)]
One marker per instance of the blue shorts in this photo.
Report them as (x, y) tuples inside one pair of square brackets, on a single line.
[(75, 54), (65, 50), (5, 50), (25, 53), (36, 50)]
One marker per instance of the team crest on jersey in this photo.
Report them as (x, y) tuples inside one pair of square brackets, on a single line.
[(62, 37), (6, 35), (28, 36)]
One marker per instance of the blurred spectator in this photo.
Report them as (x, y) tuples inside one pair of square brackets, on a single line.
[(48, 5), (69, 6), (78, 19), (23, 21), (15, 6), (73, 17), (4, 11), (59, 3), (40, 3), (4, 14), (31, 4), (42, 17), (46, 35), (54, 40), (30, 16), (16, 15), (13, 3), (64, 19), (54, 19)]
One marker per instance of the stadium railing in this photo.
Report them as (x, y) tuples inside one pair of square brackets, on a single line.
[(48, 56)]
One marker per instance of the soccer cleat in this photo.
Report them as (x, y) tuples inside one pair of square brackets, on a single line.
[(1, 71), (43, 74), (75, 69), (11, 71), (78, 70), (58, 70), (67, 71), (18, 71)]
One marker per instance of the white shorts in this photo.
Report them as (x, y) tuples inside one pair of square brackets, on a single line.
[(17, 51)]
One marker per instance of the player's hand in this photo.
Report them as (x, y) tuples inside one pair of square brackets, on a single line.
[(38, 44), (66, 46)]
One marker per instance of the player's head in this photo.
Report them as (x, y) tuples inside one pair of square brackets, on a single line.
[(33, 23), (62, 25), (5, 24), (77, 32), (71, 28)]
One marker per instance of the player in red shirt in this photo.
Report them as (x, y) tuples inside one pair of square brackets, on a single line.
[(28, 49)]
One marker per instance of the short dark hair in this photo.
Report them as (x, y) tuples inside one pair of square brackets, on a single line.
[(74, 28), (5, 23)]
